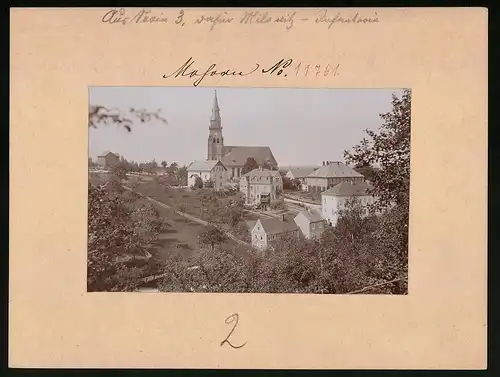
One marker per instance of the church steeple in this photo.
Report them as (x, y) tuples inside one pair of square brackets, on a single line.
[(215, 110), (215, 138)]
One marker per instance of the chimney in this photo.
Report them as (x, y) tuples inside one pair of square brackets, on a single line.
[(283, 218)]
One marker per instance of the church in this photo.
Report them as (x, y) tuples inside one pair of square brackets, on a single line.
[(234, 157)]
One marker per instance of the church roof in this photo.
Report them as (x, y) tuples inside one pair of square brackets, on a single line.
[(237, 155), (348, 189), (207, 165), (335, 169)]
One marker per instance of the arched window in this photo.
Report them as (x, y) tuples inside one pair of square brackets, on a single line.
[(217, 140), (214, 139)]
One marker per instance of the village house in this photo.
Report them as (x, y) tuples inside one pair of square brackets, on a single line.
[(330, 174), (300, 173), (108, 159), (267, 231), (234, 157), (334, 199), (311, 223), (261, 186), (212, 170)]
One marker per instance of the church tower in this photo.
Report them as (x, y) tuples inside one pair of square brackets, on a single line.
[(215, 139)]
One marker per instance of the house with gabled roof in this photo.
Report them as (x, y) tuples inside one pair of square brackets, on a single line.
[(108, 159), (266, 231), (330, 174), (208, 170), (261, 186), (335, 199), (311, 223), (234, 157), (300, 173)]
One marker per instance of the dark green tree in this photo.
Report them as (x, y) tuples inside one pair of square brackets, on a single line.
[(249, 165)]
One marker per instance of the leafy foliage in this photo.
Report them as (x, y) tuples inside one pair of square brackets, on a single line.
[(117, 235), (212, 236), (198, 182), (121, 169), (208, 271), (290, 184), (368, 171), (102, 115), (390, 149), (265, 165), (249, 165)]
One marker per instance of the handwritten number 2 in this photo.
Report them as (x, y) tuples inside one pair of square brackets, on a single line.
[(232, 318), (180, 17)]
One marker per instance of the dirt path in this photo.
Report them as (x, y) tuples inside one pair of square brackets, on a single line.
[(308, 204)]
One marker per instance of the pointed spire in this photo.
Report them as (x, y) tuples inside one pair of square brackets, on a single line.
[(215, 108), (216, 103)]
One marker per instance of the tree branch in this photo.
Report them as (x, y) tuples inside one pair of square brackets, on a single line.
[(376, 285)]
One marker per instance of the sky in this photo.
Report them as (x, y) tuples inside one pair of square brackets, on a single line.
[(301, 126)]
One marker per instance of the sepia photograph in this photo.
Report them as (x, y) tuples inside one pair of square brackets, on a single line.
[(248, 190)]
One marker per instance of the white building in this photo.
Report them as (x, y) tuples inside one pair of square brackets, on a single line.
[(334, 199), (210, 170), (266, 231), (330, 174), (261, 186), (311, 223)]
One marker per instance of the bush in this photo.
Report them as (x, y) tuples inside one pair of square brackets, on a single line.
[(198, 183), (277, 204)]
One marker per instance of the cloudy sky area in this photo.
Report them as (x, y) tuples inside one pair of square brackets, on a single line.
[(302, 126)]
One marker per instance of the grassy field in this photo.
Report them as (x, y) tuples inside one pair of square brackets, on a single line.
[(182, 235), (312, 197)]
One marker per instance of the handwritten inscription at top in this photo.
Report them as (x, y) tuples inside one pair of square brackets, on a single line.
[(278, 68), (325, 18)]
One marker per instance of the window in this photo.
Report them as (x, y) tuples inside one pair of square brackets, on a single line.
[(217, 140), (312, 225), (214, 139)]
